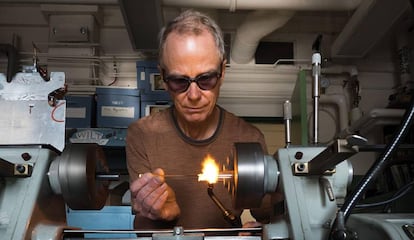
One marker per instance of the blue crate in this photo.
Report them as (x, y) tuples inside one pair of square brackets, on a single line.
[(117, 107), (150, 106), (80, 111), (108, 218), (149, 80)]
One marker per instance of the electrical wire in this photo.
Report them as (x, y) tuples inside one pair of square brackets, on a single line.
[(404, 190), (400, 193), (115, 74), (52, 114), (376, 168)]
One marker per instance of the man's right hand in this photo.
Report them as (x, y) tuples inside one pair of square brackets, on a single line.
[(151, 197)]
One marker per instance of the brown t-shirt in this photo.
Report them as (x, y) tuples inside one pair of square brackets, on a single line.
[(156, 141)]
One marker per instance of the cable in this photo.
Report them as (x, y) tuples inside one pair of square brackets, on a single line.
[(400, 193), (52, 114), (404, 190), (377, 167), (115, 69), (380, 163)]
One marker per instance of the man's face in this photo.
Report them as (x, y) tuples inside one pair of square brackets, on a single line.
[(190, 56)]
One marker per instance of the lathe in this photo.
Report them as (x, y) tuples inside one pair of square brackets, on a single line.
[(42, 175)]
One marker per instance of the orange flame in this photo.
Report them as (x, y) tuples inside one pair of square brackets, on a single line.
[(210, 170)]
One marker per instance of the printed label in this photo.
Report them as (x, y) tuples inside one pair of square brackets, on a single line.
[(110, 111), (75, 112)]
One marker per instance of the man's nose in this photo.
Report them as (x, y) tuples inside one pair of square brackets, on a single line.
[(194, 92)]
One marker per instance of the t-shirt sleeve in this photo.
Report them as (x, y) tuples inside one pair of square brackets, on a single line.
[(262, 142), (254, 134), (136, 156)]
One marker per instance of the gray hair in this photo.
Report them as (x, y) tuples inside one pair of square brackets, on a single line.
[(191, 22)]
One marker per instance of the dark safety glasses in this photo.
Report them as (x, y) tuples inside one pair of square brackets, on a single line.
[(205, 81)]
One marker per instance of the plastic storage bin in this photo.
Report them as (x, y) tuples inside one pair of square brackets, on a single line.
[(108, 218), (117, 107), (80, 111), (150, 106), (149, 80)]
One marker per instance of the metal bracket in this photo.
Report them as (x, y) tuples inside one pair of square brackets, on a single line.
[(8, 169)]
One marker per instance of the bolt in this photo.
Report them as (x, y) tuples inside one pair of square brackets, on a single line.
[(299, 155), (178, 230), (83, 30), (300, 167), (26, 156), (20, 169), (327, 224)]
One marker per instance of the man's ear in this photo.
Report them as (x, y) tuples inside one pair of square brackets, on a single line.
[(162, 77), (160, 70), (223, 71), (165, 85)]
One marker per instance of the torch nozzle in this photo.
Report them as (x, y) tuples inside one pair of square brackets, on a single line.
[(227, 214)]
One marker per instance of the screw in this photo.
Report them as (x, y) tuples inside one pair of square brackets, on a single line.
[(83, 30), (300, 167), (299, 155), (178, 230), (20, 168), (26, 156)]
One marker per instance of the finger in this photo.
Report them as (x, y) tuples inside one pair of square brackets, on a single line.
[(149, 201), (158, 205), (160, 173), (140, 190), (147, 185), (252, 224), (156, 212), (136, 207), (146, 190), (136, 185)]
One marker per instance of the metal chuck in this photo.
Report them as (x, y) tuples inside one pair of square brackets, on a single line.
[(74, 173)]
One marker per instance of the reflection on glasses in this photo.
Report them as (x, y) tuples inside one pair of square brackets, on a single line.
[(179, 84)]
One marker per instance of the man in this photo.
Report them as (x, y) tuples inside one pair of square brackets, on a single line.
[(175, 141)]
